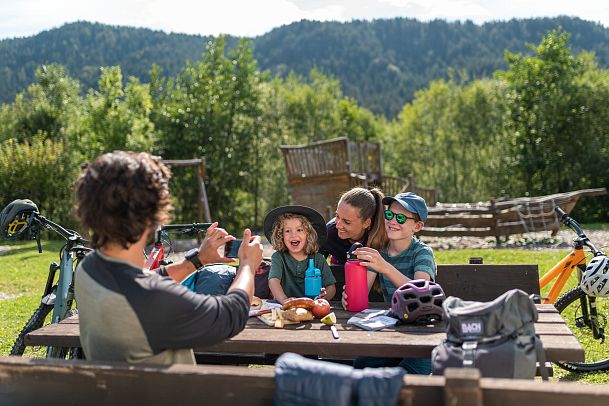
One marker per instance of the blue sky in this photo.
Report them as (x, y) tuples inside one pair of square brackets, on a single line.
[(19, 18)]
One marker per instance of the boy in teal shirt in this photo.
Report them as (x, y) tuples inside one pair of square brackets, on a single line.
[(405, 258)]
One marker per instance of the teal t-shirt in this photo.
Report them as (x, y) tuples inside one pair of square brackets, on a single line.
[(418, 257), (291, 273)]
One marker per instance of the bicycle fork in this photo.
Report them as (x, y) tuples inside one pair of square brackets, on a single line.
[(589, 317)]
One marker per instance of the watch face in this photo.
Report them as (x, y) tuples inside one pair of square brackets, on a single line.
[(193, 256), (192, 253)]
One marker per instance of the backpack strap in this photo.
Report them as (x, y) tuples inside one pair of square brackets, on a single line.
[(469, 353)]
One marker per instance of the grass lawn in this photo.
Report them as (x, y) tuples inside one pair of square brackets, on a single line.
[(23, 273)]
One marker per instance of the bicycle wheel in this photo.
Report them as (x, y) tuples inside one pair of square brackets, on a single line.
[(569, 305), (35, 322)]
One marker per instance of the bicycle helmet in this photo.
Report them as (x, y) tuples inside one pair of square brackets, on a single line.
[(419, 300), (14, 218), (596, 277)]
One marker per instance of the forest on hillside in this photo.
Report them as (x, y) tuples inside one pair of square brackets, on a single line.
[(380, 64), (539, 126)]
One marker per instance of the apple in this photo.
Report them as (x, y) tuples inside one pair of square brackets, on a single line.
[(321, 308)]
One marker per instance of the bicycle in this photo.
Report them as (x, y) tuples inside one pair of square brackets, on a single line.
[(585, 315), (157, 256), (57, 296)]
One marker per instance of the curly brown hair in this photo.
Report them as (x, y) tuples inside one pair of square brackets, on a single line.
[(311, 246), (120, 195)]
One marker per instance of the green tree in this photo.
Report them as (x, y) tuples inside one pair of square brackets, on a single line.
[(117, 118), (447, 139), (50, 106), (544, 105), (211, 110)]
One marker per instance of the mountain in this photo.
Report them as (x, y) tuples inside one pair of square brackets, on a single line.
[(380, 63)]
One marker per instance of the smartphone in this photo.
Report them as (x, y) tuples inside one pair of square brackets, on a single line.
[(231, 248)]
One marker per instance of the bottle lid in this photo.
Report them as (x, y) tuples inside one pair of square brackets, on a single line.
[(350, 255)]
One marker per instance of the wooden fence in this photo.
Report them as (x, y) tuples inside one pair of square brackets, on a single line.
[(502, 217)]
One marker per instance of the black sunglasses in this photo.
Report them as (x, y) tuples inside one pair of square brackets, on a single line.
[(399, 217)]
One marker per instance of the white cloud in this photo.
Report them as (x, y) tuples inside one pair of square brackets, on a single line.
[(251, 18)]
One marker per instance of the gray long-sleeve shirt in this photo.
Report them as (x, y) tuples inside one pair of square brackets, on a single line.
[(127, 314)]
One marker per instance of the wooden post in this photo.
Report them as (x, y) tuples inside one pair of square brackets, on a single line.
[(462, 387), (493, 209), (203, 204)]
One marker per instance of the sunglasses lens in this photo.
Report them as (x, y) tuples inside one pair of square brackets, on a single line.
[(400, 218), (388, 214)]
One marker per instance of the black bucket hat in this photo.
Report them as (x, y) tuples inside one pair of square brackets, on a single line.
[(316, 219)]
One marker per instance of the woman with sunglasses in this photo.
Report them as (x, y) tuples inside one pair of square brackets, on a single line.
[(403, 259)]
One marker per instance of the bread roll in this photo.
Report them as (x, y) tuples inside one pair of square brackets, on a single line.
[(298, 314)]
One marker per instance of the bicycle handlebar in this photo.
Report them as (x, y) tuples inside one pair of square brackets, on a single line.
[(66, 234), (187, 228), (574, 225)]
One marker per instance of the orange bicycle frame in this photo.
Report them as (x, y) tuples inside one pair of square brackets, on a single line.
[(563, 270)]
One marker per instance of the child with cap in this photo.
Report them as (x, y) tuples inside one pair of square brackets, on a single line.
[(403, 259), (296, 232)]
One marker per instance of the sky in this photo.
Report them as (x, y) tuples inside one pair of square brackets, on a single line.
[(22, 18)]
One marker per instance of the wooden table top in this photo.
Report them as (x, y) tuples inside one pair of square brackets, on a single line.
[(314, 338)]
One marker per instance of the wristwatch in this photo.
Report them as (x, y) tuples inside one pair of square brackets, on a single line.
[(193, 257)]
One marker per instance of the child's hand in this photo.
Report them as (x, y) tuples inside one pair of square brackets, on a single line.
[(372, 258), (282, 301)]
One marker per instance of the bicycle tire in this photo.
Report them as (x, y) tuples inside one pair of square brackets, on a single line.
[(597, 353), (35, 322)]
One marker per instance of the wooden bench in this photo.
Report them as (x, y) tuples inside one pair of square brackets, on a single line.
[(63, 382), (480, 282), (483, 282)]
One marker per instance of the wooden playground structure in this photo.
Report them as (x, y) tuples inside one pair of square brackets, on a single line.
[(319, 173)]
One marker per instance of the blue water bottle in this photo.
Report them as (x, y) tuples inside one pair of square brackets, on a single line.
[(312, 280)]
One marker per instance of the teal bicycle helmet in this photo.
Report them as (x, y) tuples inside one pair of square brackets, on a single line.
[(15, 218)]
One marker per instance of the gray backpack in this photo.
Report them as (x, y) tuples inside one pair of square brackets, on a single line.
[(496, 337)]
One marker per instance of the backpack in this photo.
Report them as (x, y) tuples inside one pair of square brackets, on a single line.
[(497, 337), (211, 279), (216, 279), (261, 281)]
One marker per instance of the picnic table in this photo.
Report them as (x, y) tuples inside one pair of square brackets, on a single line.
[(314, 338)]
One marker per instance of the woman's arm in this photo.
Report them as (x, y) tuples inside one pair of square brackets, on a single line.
[(330, 292)]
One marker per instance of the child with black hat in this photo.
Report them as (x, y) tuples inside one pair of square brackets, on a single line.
[(296, 233)]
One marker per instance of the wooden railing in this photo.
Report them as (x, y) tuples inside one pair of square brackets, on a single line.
[(62, 382), (502, 218)]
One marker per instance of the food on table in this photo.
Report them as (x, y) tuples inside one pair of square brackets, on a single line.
[(298, 314), (299, 302), (321, 308), (329, 319), (256, 303)]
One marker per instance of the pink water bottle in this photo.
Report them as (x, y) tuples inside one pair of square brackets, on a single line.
[(356, 282)]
